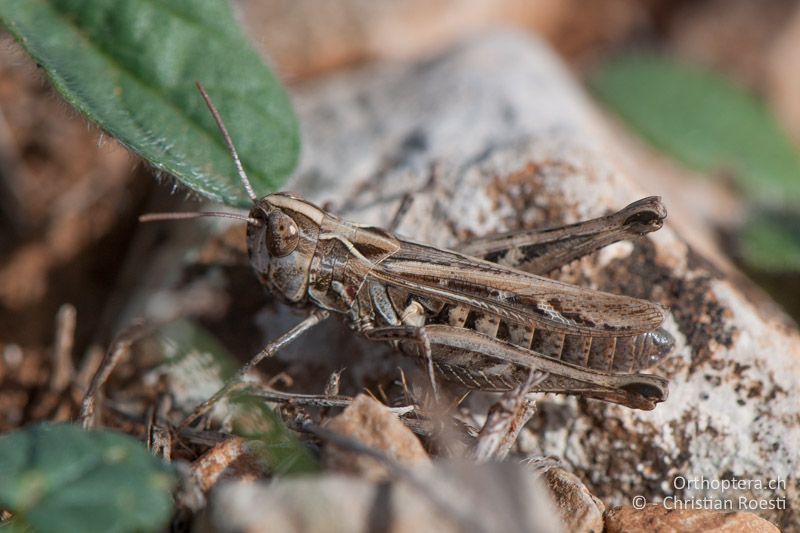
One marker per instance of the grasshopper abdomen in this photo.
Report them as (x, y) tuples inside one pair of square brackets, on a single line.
[(611, 354)]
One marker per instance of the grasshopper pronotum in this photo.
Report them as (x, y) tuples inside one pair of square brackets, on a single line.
[(483, 316)]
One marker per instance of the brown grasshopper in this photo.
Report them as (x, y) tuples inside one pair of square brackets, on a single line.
[(483, 316)]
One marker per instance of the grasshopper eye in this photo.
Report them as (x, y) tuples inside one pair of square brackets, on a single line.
[(282, 234)]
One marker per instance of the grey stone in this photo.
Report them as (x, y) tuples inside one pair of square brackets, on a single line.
[(455, 497)]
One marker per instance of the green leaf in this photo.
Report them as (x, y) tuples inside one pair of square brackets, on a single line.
[(770, 242), (58, 477), (130, 66), (187, 339), (199, 359), (282, 451), (705, 121)]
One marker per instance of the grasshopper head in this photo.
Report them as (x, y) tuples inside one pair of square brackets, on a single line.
[(281, 241)]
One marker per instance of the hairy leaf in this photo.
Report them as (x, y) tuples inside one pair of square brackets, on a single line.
[(58, 477), (130, 66)]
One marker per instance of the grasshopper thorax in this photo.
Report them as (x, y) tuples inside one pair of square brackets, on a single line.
[(281, 240)]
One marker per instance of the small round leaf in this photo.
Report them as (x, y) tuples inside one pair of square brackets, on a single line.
[(58, 477)]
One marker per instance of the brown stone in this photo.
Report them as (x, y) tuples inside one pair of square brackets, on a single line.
[(375, 425), (658, 519), (579, 509)]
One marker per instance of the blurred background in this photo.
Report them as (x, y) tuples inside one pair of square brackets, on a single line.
[(712, 85)]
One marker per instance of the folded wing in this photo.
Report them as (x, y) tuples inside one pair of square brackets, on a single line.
[(515, 295)]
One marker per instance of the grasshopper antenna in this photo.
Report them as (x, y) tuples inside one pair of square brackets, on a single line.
[(231, 148), (153, 217)]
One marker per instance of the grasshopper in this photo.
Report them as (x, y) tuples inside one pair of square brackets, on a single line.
[(483, 316)]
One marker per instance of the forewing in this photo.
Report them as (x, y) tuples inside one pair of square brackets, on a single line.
[(514, 295)]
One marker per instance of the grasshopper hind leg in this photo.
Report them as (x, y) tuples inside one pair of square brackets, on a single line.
[(482, 362)]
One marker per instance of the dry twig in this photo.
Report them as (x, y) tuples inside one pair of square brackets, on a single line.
[(315, 400), (119, 349), (505, 420), (63, 368), (159, 436)]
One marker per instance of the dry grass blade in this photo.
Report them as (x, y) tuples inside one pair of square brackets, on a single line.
[(63, 368), (54, 404), (119, 349), (159, 436), (505, 420), (314, 400)]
